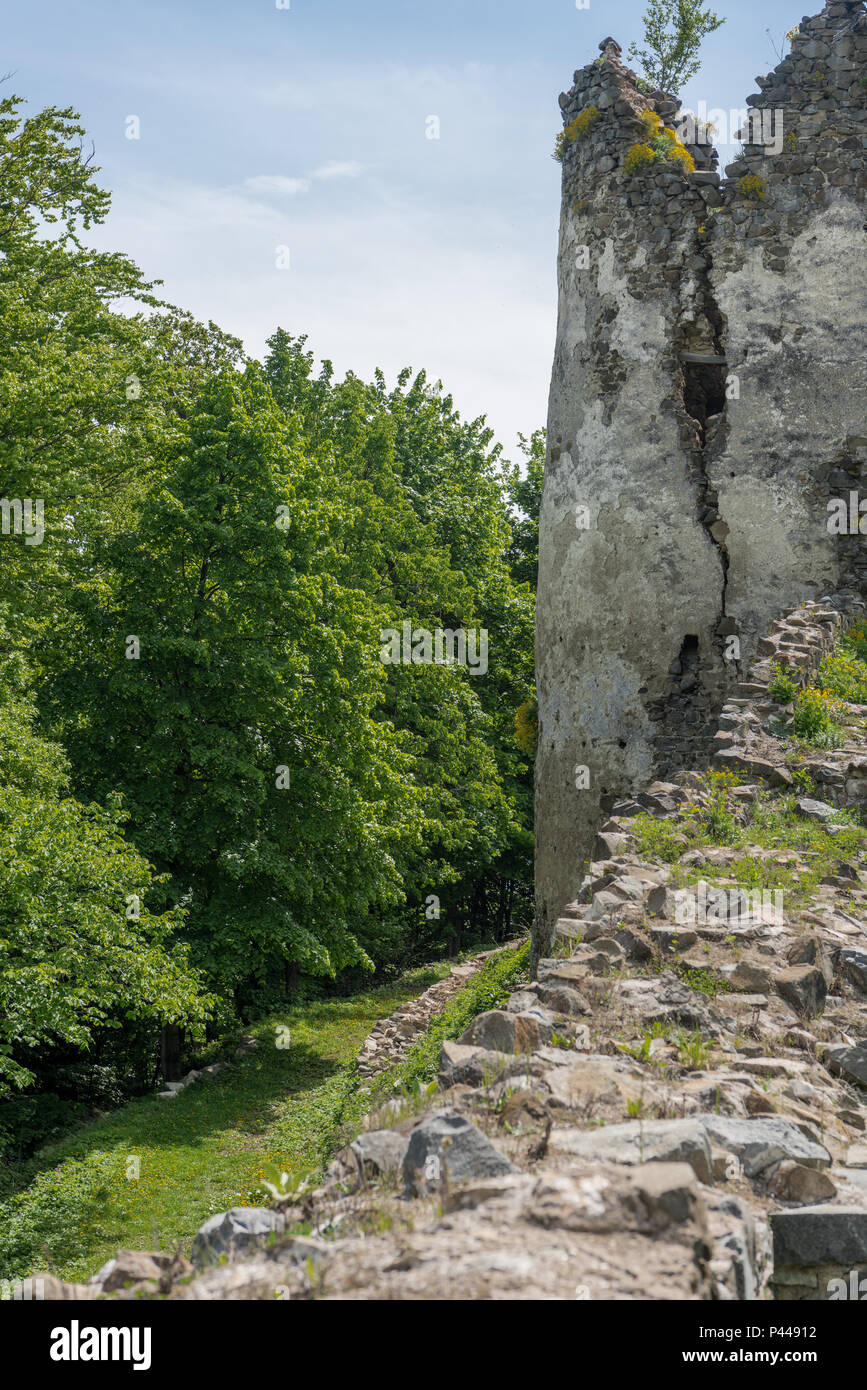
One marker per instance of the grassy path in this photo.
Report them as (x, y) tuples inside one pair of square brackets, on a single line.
[(200, 1153)]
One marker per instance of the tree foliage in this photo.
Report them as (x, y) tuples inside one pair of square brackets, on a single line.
[(674, 31), (194, 710)]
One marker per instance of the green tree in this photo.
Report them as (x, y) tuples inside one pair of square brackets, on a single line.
[(673, 34), (241, 734), (81, 951), (89, 397), (525, 495), (429, 541)]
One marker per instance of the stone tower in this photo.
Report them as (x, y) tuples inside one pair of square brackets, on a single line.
[(708, 398)]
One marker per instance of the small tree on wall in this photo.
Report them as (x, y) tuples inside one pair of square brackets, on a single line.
[(673, 34)]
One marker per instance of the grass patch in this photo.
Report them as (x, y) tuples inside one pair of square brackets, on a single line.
[(214, 1145), (490, 989), (702, 979), (817, 717), (772, 823), (845, 675), (201, 1153)]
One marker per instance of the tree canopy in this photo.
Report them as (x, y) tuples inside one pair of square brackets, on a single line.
[(212, 781), (674, 31)]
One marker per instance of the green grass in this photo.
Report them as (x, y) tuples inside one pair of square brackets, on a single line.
[(490, 989), (692, 1049), (210, 1148), (702, 979), (773, 823), (201, 1153)]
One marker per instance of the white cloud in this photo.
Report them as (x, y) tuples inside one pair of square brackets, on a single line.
[(277, 183), (463, 293), (337, 169), (407, 261)]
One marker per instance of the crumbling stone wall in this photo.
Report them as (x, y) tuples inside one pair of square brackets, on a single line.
[(707, 399)]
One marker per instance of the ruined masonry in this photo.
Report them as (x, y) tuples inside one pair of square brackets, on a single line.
[(667, 1111), (709, 395)]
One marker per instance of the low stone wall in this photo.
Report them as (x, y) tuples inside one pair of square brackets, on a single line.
[(392, 1038)]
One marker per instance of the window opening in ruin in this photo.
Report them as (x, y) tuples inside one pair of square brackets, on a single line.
[(689, 653), (704, 388)]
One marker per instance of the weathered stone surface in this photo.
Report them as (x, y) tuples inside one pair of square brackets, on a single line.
[(670, 1193), (447, 1148), (666, 1141), (470, 1066), (561, 999), (135, 1267), (667, 999), (630, 671), (849, 1062), (753, 979), (635, 943), (373, 1154), (820, 1236), (792, 1182), (855, 965), (812, 950), (235, 1233), (815, 810), (804, 987), (761, 1142), (590, 1082), (497, 1030)]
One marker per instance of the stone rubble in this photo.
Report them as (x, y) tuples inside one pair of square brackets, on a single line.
[(668, 1111), (392, 1037)]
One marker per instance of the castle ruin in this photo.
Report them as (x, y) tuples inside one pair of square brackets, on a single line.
[(708, 399)]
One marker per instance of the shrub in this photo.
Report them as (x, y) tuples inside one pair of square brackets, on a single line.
[(855, 640), (651, 122), (637, 158), (680, 155), (575, 130), (781, 688), (751, 186), (814, 718), (661, 144), (845, 675), (802, 781), (660, 839), (716, 820)]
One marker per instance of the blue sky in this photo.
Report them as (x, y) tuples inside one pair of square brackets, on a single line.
[(305, 128)]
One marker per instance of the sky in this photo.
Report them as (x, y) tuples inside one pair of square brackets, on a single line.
[(284, 172)]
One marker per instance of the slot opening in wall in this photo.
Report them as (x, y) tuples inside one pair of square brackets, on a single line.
[(689, 652), (704, 387)]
